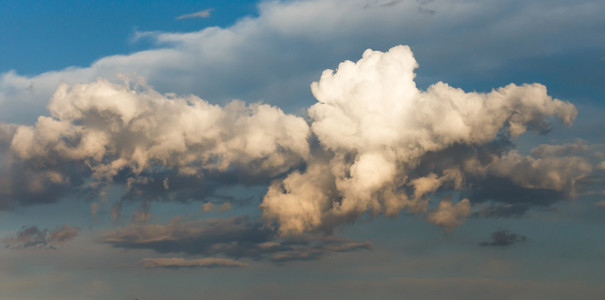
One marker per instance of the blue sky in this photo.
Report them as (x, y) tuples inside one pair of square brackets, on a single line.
[(39, 36), (258, 150)]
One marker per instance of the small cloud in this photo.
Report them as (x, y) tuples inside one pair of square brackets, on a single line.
[(503, 238), (208, 207), (426, 11), (177, 263), (450, 216), (116, 210), (600, 204), (33, 237), (94, 209), (225, 207), (143, 212), (508, 210), (200, 14)]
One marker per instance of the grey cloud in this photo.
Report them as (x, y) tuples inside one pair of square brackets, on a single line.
[(509, 210), (178, 263), (235, 238), (503, 238), (33, 237), (543, 151), (512, 182)]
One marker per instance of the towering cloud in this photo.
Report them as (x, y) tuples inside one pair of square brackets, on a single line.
[(378, 127), (373, 144)]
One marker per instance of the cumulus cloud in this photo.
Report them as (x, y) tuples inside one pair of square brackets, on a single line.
[(379, 127), (33, 237), (373, 144), (177, 263), (200, 14), (449, 215), (104, 130), (235, 238), (503, 238)]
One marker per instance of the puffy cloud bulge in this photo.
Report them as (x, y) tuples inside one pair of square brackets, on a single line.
[(103, 128), (377, 125), (363, 148)]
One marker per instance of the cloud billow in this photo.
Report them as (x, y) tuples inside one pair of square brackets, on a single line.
[(379, 127), (373, 144)]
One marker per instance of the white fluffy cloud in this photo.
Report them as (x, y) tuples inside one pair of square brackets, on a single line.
[(378, 126), (374, 130), (373, 127), (110, 127)]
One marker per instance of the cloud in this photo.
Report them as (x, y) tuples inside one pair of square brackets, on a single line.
[(94, 209), (200, 14), (33, 237), (235, 238), (379, 126), (224, 207), (207, 207), (104, 131), (503, 238), (449, 215), (504, 210), (543, 151), (373, 143), (177, 263), (253, 59)]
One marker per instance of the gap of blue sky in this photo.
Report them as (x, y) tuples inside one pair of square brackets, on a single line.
[(38, 36)]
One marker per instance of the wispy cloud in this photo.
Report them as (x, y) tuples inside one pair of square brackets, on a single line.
[(178, 263), (503, 238), (238, 237), (33, 237), (200, 14)]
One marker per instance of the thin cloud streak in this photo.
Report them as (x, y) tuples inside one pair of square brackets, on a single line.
[(178, 263), (200, 14)]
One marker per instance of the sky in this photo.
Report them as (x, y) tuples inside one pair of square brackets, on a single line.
[(365, 149)]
